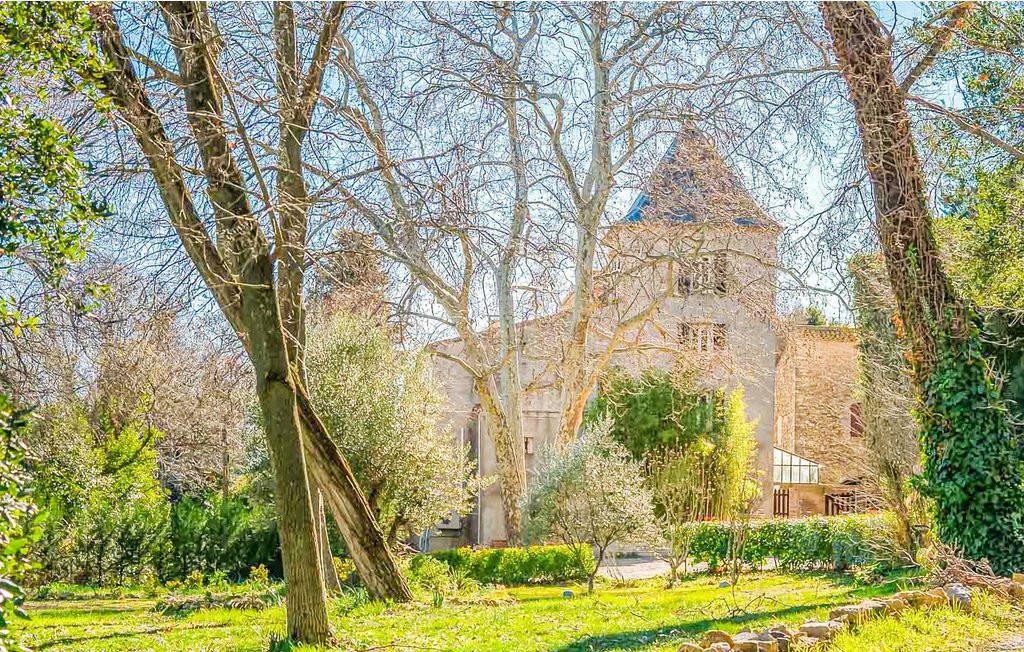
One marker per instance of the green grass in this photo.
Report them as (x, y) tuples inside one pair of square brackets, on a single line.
[(938, 630), (640, 616)]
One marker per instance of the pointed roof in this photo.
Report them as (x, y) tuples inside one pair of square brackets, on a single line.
[(693, 183)]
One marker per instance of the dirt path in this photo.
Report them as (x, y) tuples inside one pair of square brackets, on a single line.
[(633, 569)]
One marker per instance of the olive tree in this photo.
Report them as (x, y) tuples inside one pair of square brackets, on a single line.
[(382, 407), (590, 493)]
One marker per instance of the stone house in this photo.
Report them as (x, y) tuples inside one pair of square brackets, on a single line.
[(698, 255)]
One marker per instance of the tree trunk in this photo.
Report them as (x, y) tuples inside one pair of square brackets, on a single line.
[(374, 562), (510, 455), (972, 456), (331, 581), (927, 302), (593, 573), (306, 598), (239, 229)]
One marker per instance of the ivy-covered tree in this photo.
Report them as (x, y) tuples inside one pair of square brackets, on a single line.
[(972, 448)]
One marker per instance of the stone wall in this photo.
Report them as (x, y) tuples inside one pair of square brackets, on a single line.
[(817, 395)]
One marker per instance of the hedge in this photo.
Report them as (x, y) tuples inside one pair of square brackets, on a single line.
[(836, 542), (516, 565)]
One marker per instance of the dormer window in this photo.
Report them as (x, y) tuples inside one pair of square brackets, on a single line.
[(706, 274)]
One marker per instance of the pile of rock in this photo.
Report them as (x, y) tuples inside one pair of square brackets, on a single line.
[(783, 638)]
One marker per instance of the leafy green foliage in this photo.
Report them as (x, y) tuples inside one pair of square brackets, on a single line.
[(559, 563), (712, 477), (19, 516), (973, 466), (590, 492), (45, 207), (232, 537), (113, 526), (653, 411), (383, 409), (815, 317), (834, 542), (983, 235), (979, 226)]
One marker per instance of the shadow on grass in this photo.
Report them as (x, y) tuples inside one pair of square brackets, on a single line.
[(643, 638), (145, 631)]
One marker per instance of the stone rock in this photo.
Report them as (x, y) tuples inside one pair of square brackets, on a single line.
[(720, 646), (724, 584), (934, 597), (895, 605), (858, 613), (784, 640), (821, 630), (1018, 577), (913, 598), (958, 595), (754, 642), (713, 636), (1016, 589), (850, 613), (690, 647)]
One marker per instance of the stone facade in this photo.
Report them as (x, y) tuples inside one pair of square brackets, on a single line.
[(817, 417), (709, 273)]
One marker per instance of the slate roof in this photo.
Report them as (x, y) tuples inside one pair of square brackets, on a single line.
[(693, 183)]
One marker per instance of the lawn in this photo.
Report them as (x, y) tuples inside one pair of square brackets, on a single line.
[(639, 616)]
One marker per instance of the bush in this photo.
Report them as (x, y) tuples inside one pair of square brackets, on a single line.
[(835, 542), (229, 535), (511, 565)]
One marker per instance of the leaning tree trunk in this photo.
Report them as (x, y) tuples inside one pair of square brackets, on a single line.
[(306, 598), (927, 302), (374, 562), (973, 467)]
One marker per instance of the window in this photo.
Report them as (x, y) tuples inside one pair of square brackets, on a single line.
[(856, 422), (788, 468), (528, 441), (704, 275), (703, 337), (721, 274)]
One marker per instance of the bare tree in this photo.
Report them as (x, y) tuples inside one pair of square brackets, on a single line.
[(255, 280), (887, 400), (490, 171)]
